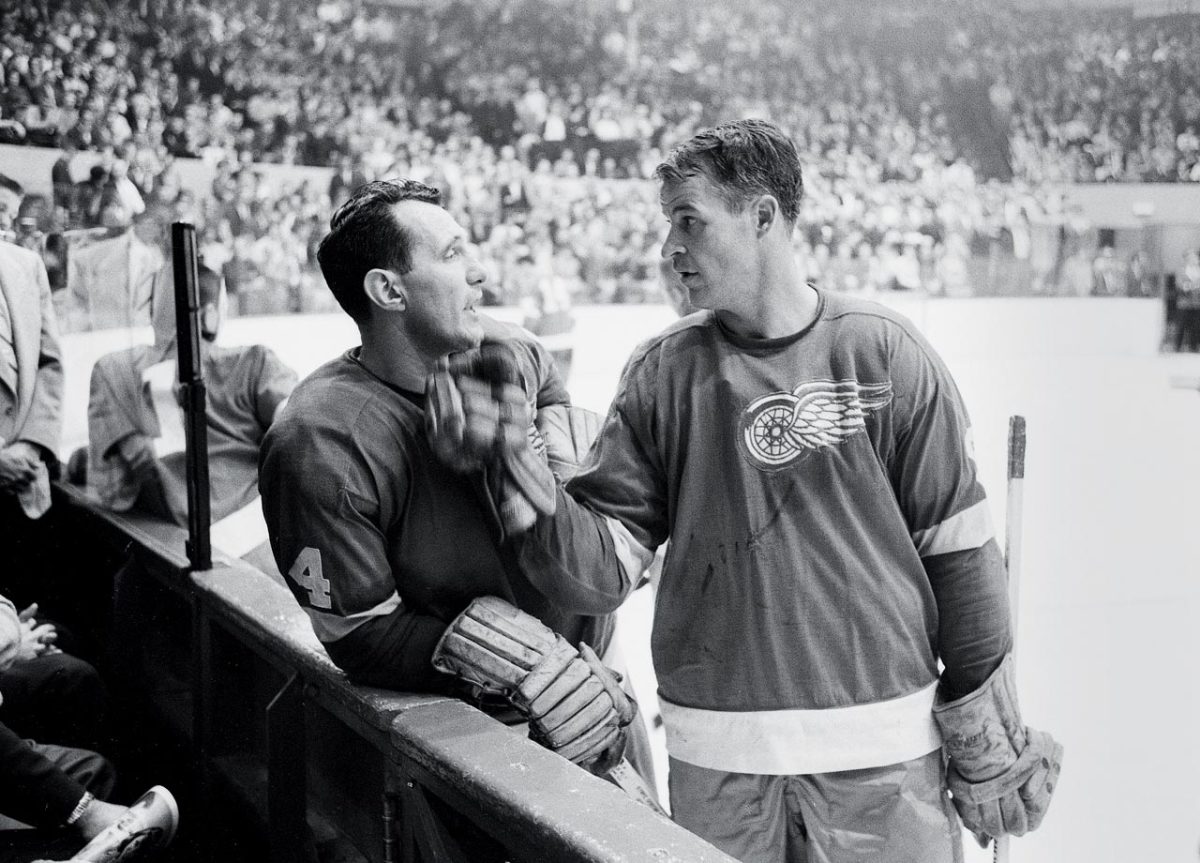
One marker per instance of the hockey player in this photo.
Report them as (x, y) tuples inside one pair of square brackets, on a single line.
[(809, 458), (389, 550)]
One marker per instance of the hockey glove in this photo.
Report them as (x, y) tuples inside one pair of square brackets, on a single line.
[(1002, 773), (575, 706), (478, 414)]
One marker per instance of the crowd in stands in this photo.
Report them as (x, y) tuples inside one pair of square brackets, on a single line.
[(534, 122)]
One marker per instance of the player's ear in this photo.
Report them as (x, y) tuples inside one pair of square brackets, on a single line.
[(385, 289), (766, 213)]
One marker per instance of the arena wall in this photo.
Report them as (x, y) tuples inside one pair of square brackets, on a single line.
[(1118, 205)]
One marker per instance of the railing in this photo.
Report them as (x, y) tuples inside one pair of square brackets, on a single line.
[(332, 770)]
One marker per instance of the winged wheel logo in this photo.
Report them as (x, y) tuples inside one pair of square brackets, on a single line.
[(777, 429)]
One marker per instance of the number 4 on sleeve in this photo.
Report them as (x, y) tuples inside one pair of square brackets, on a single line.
[(306, 572)]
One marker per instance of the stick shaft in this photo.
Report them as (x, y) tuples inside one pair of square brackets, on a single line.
[(1013, 513), (628, 780)]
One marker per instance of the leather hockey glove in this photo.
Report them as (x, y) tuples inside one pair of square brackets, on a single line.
[(574, 704), (1002, 773), (568, 431), (477, 414)]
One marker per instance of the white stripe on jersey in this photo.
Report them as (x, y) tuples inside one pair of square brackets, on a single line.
[(330, 627), (796, 742), (631, 554), (962, 531)]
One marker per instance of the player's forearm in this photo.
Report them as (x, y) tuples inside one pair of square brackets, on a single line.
[(581, 561), (394, 651), (974, 624)]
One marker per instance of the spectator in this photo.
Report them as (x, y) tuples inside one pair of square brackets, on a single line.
[(31, 385), (136, 427), (1187, 304), (47, 785), (62, 181)]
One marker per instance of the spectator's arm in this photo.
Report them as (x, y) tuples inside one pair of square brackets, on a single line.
[(273, 386), (121, 457), (43, 428)]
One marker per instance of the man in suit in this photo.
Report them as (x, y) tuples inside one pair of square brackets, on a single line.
[(31, 387)]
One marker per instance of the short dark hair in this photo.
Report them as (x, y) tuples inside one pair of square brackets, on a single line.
[(364, 234), (743, 159), (7, 182)]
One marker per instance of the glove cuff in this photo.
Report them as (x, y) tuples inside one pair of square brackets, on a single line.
[(982, 732), (526, 491)]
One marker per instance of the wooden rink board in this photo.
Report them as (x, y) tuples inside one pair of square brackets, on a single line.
[(1110, 649)]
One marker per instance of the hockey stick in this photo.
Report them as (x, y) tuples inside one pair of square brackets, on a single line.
[(1014, 509)]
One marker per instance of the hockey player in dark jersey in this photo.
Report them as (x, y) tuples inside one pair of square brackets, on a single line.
[(809, 458), (383, 545)]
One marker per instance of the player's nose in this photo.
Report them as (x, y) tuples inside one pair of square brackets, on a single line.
[(477, 273), (671, 246)]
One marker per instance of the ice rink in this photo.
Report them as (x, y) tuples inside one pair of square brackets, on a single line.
[(1109, 630)]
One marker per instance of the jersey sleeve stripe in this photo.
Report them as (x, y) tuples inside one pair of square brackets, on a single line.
[(331, 627), (631, 554), (969, 529)]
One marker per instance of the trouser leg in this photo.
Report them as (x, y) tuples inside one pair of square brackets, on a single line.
[(895, 814), (743, 814), (57, 698)]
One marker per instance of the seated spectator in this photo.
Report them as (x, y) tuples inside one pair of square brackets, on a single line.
[(136, 427), (50, 694), (46, 785)]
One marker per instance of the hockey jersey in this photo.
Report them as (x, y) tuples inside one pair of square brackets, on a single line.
[(826, 532), (381, 543)]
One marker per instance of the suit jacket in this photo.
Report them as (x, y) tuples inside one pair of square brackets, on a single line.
[(26, 288), (109, 282)]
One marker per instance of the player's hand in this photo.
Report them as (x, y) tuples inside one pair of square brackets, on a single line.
[(577, 708), (478, 413), (496, 417), (476, 408)]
